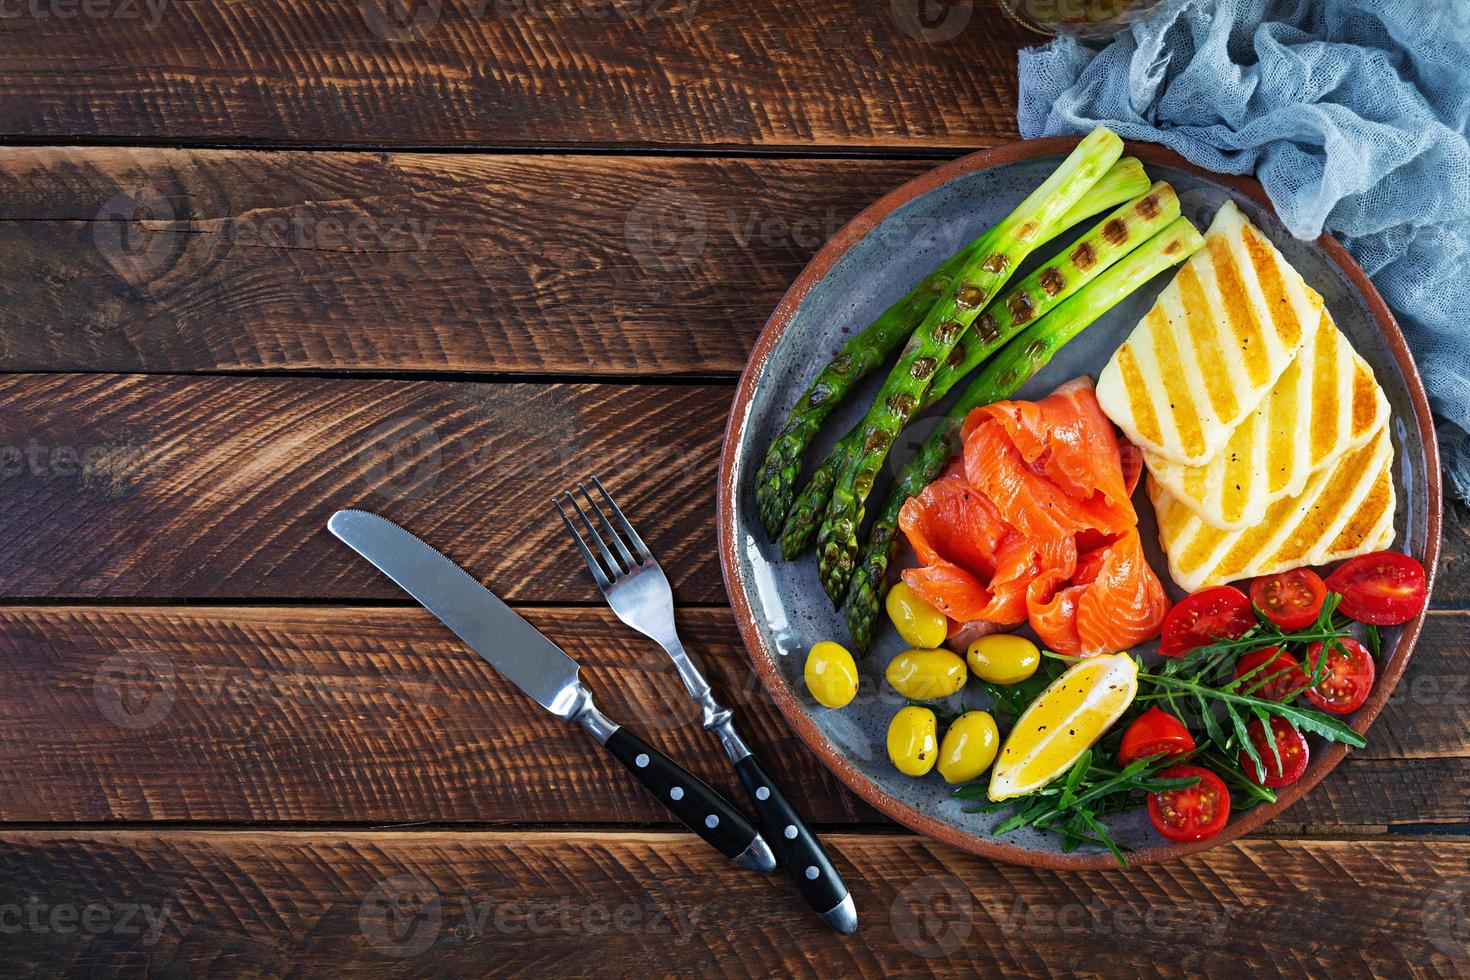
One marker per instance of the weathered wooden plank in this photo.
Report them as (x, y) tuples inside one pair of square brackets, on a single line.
[(1452, 580), (676, 73), (350, 714), (177, 260), (420, 904), (213, 487), (281, 714)]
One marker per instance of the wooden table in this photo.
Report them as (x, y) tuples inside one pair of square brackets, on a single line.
[(268, 258)]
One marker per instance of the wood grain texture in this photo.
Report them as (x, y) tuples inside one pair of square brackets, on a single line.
[(1452, 578), (212, 487), (442, 904), (298, 714), (369, 714), (175, 260), (675, 73)]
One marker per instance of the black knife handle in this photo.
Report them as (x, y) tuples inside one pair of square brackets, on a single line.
[(697, 805), (797, 848)]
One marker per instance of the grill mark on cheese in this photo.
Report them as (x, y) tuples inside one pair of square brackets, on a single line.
[(1289, 326), (1366, 520), (1365, 398), (1240, 312), (1204, 336), (1144, 419), (1182, 409), (1238, 466), (1327, 404)]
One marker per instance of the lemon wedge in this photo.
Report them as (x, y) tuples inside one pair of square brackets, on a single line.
[(1065, 719)]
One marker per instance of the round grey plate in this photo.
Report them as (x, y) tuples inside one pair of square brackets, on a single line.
[(878, 257)]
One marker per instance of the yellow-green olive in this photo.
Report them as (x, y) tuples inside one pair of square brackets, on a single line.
[(969, 747), (831, 675), (920, 624), (926, 674), (1003, 658), (911, 743)]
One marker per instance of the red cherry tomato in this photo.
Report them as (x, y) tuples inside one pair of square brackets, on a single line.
[(1291, 599), (1291, 746), (1349, 678), (1221, 613), (1384, 588), (1155, 732), (1282, 674), (1192, 813)]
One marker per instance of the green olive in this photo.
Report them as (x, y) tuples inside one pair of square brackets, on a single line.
[(1003, 658), (831, 674), (920, 624), (969, 747), (926, 674), (911, 743)]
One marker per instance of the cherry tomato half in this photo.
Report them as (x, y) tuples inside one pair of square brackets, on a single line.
[(1221, 613), (1350, 674), (1384, 588), (1290, 599), (1281, 673), (1155, 732), (1192, 813), (1291, 746)]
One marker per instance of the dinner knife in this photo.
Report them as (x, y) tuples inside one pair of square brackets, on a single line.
[(539, 668)]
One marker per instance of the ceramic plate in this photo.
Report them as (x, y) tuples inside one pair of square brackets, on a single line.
[(871, 262)]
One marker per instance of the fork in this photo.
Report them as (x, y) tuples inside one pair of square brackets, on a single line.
[(639, 593)]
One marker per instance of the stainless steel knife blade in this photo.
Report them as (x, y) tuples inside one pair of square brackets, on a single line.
[(500, 636)]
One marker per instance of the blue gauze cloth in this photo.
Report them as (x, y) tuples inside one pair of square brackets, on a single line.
[(1351, 113)]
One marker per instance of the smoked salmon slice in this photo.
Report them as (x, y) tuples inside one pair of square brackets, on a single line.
[(1034, 522)]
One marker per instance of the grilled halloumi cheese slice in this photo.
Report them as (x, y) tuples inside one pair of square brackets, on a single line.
[(1346, 509), (1325, 404), (1212, 346)]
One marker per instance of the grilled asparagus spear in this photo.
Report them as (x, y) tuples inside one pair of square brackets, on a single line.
[(1025, 355)]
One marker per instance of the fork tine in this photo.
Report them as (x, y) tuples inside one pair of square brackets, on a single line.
[(623, 520), (612, 562), (598, 575), (617, 540)]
